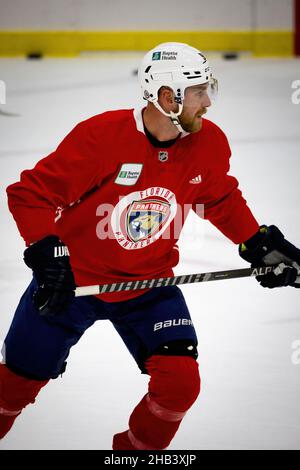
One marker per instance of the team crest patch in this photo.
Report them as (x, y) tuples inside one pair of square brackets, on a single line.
[(141, 217), (145, 218)]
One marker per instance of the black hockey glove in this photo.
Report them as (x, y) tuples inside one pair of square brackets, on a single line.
[(49, 260), (268, 247)]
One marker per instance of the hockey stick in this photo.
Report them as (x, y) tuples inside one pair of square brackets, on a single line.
[(173, 281)]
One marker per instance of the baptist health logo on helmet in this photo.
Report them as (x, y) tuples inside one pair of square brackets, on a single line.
[(164, 55), (141, 217)]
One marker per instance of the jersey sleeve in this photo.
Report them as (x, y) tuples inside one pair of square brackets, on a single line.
[(54, 183), (224, 204)]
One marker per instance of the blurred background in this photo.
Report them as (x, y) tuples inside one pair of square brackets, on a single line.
[(66, 60), (68, 27)]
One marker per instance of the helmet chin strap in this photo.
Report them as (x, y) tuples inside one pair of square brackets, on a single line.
[(173, 116)]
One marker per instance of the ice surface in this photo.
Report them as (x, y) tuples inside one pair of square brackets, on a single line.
[(250, 387)]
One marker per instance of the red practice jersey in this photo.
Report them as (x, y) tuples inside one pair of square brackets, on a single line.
[(118, 202)]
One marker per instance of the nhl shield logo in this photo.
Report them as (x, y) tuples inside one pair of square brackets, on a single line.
[(163, 156), (145, 218)]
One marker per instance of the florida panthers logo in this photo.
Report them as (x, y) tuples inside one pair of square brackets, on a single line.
[(145, 218), (140, 218)]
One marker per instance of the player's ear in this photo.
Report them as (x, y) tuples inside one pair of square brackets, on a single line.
[(166, 97)]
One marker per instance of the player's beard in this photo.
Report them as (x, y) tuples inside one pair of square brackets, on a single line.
[(191, 123)]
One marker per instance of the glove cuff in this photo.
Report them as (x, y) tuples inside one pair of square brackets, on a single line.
[(41, 251), (261, 243)]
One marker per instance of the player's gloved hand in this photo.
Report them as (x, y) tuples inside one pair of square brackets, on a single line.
[(268, 247), (49, 260)]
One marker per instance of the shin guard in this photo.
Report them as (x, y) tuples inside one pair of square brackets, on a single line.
[(174, 386), (16, 392)]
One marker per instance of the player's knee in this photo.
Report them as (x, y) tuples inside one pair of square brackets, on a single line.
[(17, 391), (175, 381)]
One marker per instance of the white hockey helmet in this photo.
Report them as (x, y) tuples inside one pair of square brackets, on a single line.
[(177, 66)]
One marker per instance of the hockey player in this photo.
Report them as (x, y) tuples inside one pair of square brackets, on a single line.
[(102, 208)]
